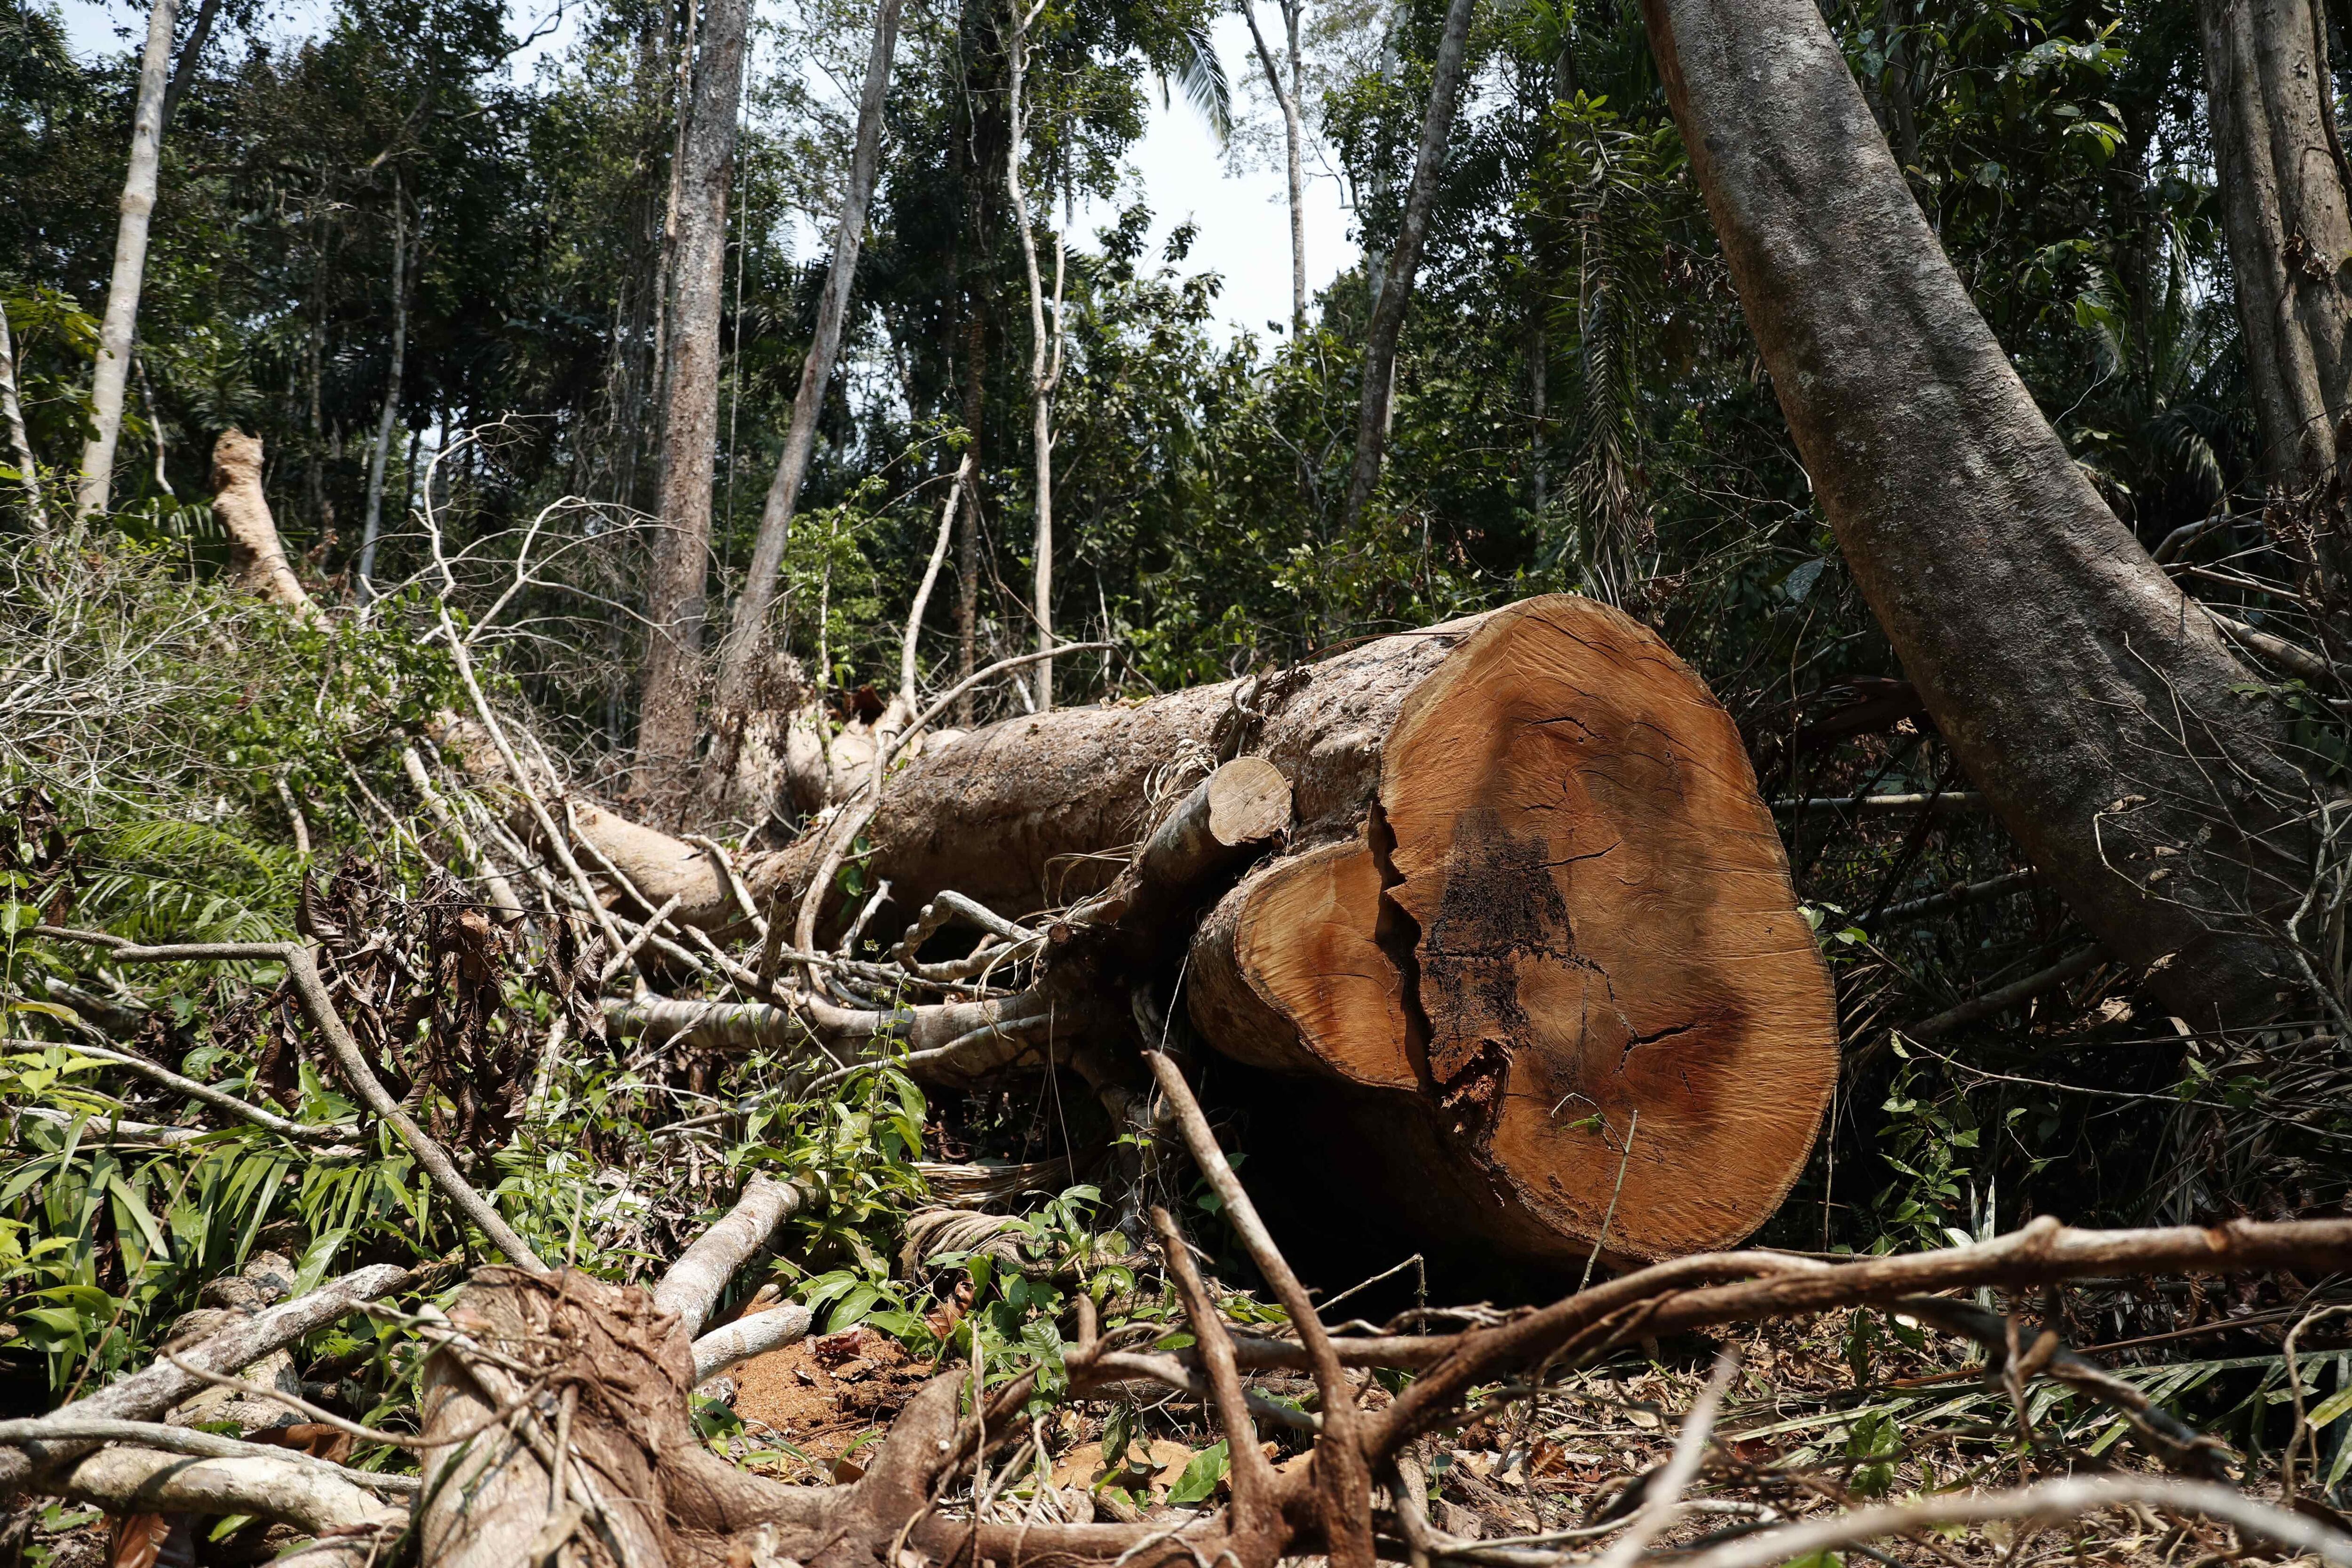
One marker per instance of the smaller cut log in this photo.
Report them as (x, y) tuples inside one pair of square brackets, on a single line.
[(1228, 819), (1241, 805)]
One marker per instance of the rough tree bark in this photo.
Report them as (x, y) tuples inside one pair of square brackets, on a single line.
[(2286, 208), (2098, 709), (1395, 292), (668, 713), (747, 636), (1531, 891), (121, 319)]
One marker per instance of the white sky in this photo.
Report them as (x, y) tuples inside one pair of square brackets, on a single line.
[(1178, 167)]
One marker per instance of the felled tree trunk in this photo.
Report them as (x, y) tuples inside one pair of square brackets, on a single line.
[(1530, 894)]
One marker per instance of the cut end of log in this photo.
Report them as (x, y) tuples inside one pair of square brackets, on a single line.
[(1562, 962), (1249, 801)]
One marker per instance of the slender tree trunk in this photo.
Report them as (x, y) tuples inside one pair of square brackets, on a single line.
[(1538, 414), (1045, 350), (200, 32), (389, 418), (314, 479), (1403, 262), (20, 445), (408, 470), (2286, 208), (122, 320), (2099, 710), (154, 425), (666, 720), (975, 385), (748, 636), (1294, 137)]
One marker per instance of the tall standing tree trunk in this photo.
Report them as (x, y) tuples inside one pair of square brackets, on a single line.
[(666, 261), (1294, 138), (388, 419), (2098, 710), (122, 320), (748, 636), (667, 713), (1395, 292), (1045, 350), (2286, 208)]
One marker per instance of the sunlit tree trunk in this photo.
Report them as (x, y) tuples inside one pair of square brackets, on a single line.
[(748, 636), (314, 357), (1395, 291), (1294, 137), (2286, 208), (668, 710), (388, 419), (122, 320), (2100, 712)]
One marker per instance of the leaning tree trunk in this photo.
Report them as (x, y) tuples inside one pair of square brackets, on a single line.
[(747, 646), (763, 723), (1045, 351), (2286, 207), (1530, 893), (2098, 707)]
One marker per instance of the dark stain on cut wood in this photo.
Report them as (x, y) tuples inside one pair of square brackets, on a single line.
[(1501, 911)]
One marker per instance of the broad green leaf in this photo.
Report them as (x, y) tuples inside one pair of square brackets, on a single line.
[(1200, 1478)]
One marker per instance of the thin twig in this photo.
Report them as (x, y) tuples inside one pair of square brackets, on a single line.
[(305, 1132)]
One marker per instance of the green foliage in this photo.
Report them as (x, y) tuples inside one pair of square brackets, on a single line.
[(100, 1245), (1872, 1447), (1201, 1477), (1929, 1139)]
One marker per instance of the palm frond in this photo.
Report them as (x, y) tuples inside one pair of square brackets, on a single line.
[(1193, 64)]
